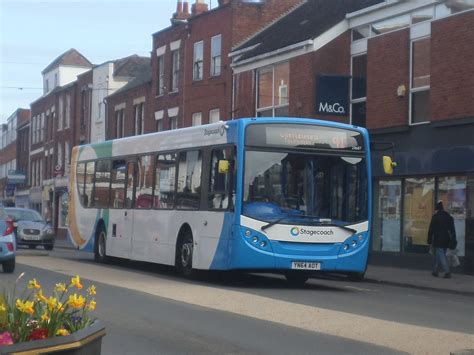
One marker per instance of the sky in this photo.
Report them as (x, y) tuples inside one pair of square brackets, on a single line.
[(34, 32)]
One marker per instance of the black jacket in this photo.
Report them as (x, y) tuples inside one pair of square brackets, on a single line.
[(441, 226)]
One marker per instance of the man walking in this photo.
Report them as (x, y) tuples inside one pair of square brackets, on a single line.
[(441, 235)]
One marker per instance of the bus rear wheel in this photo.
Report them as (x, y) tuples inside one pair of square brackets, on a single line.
[(184, 255), (100, 244), (297, 278)]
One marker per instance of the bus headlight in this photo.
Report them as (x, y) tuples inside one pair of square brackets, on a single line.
[(255, 239), (248, 233), (354, 243)]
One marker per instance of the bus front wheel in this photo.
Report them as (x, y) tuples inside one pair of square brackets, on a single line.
[(184, 255), (99, 250)]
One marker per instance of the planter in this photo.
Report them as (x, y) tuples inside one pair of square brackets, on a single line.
[(87, 341)]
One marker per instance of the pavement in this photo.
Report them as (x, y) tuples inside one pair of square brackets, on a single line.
[(459, 283)]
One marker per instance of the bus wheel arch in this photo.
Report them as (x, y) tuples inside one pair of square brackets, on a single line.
[(100, 254), (184, 251)]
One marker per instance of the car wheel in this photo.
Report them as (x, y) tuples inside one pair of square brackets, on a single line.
[(32, 246), (298, 278), (9, 266), (48, 246), (356, 276), (100, 254), (184, 255)]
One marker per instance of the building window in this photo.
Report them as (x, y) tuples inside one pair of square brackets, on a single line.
[(161, 75), (119, 118), (420, 81), (175, 70), (216, 55), (139, 118), (59, 156), (214, 116), (67, 117), (359, 90), (273, 90), (60, 113), (174, 122), (197, 119), (198, 60), (67, 153), (159, 125), (41, 132)]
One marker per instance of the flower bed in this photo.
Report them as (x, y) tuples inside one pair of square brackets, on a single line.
[(61, 320)]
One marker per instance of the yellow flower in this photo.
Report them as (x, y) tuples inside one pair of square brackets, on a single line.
[(62, 332), (34, 284), (60, 287), (76, 281), (25, 307), (76, 301), (2, 308), (60, 307), (45, 316), (92, 305), (40, 297), (52, 303), (91, 291)]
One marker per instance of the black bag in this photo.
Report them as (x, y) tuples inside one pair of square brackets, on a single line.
[(453, 243)]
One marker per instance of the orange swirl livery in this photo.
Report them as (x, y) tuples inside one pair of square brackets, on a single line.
[(72, 215)]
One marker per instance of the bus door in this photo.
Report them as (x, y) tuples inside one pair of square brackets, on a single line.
[(121, 214)]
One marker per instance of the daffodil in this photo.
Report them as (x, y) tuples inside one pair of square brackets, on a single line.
[(62, 332), (91, 291), (52, 303), (60, 287), (76, 301), (34, 284), (40, 297), (25, 307), (76, 281), (2, 308), (45, 316), (60, 307), (92, 305)]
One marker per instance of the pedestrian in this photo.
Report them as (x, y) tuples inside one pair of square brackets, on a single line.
[(441, 236)]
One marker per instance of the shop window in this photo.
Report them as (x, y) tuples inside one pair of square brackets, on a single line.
[(144, 198), (189, 180), (165, 180), (102, 184), (417, 213), (452, 191), (387, 220)]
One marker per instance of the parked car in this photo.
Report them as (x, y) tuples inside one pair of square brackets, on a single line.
[(7, 242), (31, 229)]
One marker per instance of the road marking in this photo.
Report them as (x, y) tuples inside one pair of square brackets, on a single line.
[(399, 336)]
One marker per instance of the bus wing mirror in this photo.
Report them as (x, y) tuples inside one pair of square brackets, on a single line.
[(224, 166), (388, 165)]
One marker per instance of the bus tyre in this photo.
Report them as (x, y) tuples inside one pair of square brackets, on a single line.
[(100, 245), (356, 276), (297, 278), (184, 255), (9, 266)]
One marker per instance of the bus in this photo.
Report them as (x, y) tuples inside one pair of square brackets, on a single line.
[(282, 195)]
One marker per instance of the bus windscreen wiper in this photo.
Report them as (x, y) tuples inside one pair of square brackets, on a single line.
[(274, 222)]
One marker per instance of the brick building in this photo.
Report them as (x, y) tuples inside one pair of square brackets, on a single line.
[(406, 73), (13, 168), (191, 78)]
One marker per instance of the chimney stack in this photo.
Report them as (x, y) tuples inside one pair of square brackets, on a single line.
[(199, 7), (182, 11)]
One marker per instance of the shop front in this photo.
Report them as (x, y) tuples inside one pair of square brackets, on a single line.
[(434, 163)]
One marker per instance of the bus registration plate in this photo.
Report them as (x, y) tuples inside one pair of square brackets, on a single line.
[(305, 265)]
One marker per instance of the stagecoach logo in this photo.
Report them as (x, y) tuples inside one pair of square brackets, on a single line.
[(210, 132), (295, 231)]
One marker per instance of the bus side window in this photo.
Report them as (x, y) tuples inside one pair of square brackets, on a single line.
[(89, 184), (130, 188), (165, 181), (80, 175), (117, 188), (189, 180), (221, 182), (102, 184), (144, 190)]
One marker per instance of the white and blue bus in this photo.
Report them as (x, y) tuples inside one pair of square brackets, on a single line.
[(284, 195)]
